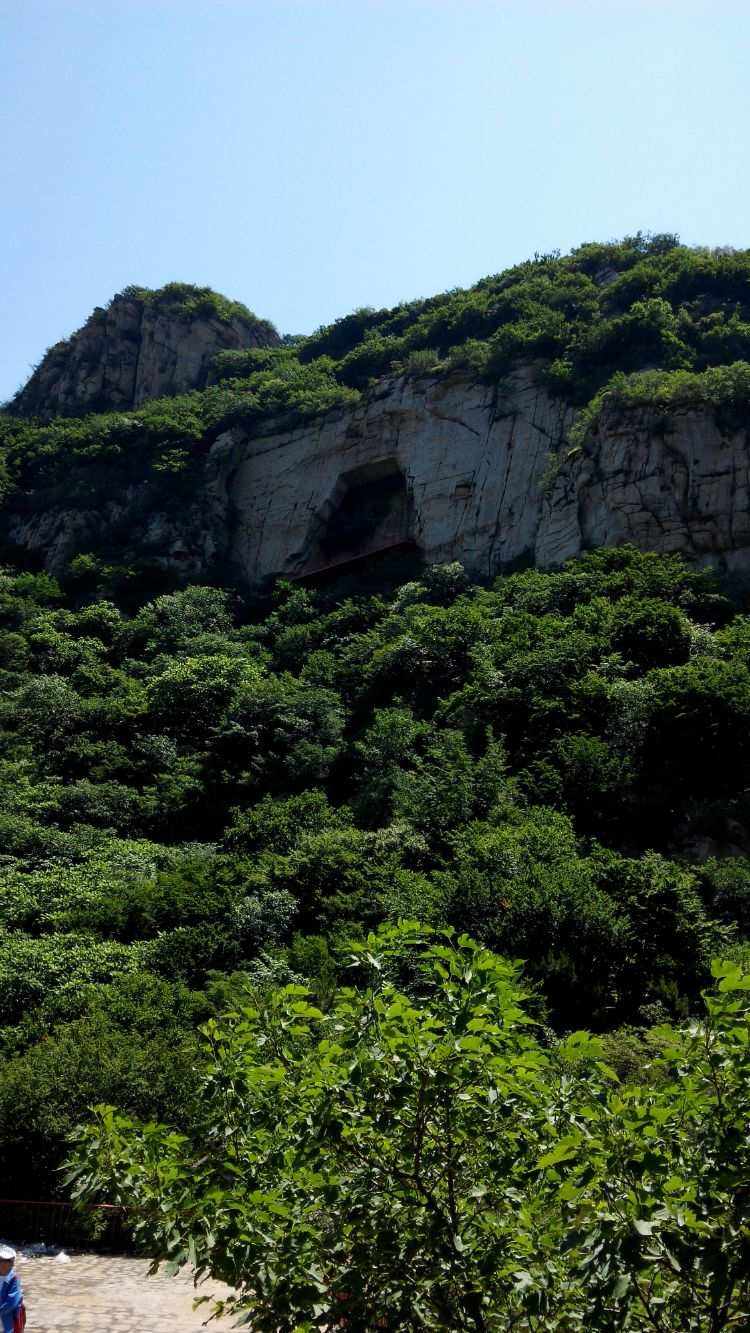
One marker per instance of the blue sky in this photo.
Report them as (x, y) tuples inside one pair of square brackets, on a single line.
[(314, 156)]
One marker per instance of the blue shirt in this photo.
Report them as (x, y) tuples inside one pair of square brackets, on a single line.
[(11, 1299)]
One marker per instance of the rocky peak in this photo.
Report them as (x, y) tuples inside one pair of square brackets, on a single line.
[(144, 344)]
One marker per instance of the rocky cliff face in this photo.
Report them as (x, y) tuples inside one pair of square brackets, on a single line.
[(490, 481), (676, 483), (456, 470), (472, 465), (137, 348)]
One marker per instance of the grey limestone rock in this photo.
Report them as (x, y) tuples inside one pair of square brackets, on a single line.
[(457, 470), (138, 347)]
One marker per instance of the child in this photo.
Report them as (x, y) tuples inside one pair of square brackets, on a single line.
[(12, 1312)]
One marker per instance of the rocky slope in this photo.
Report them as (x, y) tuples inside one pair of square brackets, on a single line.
[(143, 345), (456, 469), (570, 402)]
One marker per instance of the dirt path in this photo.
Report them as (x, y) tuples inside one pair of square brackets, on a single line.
[(97, 1294)]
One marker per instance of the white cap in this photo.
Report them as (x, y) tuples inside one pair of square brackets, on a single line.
[(6, 1252)]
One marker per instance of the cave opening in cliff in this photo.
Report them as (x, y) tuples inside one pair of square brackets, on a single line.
[(369, 513)]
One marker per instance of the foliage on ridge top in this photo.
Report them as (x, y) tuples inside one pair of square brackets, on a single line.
[(184, 298)]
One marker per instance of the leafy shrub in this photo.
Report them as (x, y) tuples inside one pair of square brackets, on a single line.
[(131, 1041), (724, 389), (424, 1129), (31, 970), (183, 298), (649, 633)]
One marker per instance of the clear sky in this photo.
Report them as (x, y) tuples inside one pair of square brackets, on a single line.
[(311, 156)]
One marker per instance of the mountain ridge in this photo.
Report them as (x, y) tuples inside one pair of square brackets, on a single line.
[(143, 344), (408, 426)]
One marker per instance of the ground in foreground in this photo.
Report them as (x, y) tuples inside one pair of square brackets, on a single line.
[(94, 1293)]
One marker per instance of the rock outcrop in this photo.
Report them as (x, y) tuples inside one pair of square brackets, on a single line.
[(676, 482), (143, 345), (455, 469), (491, 481), (472, 465)]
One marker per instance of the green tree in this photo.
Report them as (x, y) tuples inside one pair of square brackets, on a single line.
[(369, 1196), (415, 1158)]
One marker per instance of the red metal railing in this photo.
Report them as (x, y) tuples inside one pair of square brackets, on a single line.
[(352, 558)]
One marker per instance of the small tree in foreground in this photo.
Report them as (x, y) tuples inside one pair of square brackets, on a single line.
[(415, 1158)]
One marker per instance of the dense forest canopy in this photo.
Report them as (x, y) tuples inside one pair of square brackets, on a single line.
[(205, 798), (557, 764)]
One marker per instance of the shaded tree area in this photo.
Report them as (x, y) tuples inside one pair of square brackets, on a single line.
[(192, 793)]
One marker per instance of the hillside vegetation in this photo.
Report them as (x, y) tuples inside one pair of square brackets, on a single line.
[(189, 790)]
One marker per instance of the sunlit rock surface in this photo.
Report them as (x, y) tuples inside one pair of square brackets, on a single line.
[(454, 469), (133, 350)]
